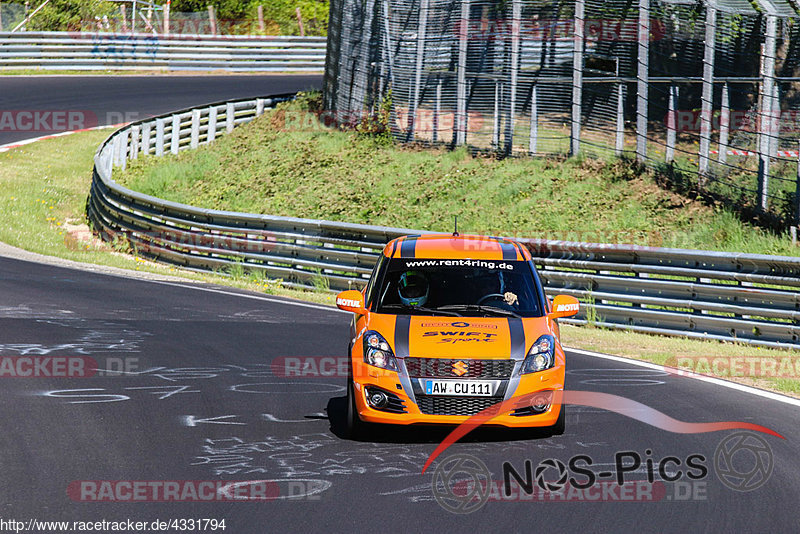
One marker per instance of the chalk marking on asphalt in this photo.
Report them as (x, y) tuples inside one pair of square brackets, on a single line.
[(710, 379)]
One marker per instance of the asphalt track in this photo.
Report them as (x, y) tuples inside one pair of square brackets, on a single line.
[(202, 401), (104, 100), (205, 398)]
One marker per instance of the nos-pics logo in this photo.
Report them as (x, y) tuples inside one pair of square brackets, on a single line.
[(461, 483)]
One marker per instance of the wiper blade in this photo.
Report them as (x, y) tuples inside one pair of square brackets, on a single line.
[(421, 308), (480, 308)]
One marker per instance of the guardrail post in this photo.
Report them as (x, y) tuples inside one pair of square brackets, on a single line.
[(134, 142), (259, 107), (116, 149), (229, 117), (577, 79), (146, 138), (176, 134), (124, 149), (724, 124), (642, 80), (159, 137), (619, 142), (533, 136), (211, 133), (195, 133), (669, 155)]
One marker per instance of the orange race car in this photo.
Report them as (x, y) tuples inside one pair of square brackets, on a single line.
[(449, 325)]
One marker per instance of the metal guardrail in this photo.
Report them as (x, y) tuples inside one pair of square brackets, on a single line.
[(702, 294), (93, 51)]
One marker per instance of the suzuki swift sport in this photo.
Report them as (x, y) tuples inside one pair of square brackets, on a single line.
[(450, 325)]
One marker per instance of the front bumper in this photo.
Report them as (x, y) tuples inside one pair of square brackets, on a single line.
[(407, 394)]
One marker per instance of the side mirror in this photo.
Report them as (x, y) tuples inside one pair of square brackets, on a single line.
[(564, 306), (351, 300)]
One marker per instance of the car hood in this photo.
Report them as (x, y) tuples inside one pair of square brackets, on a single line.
[(459, 337)]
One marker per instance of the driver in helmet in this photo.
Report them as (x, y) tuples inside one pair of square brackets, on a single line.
[(413, 288), (492, 290)]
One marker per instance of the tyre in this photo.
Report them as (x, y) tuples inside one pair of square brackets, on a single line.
[(558, 428), (354, 427)]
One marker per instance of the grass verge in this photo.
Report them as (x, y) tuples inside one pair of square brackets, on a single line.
[(286, 163), (43, 188)]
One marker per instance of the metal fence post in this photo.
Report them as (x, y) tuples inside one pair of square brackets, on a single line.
[(669, 155), (577, 79), (707, 99), (775, 120), (211, 133), (496, 117), (724, 124), (460, 124), (229, 117), (619, 141), (765, 124), (195, 132), (437, 110), (176, 132), (534, 132), (516, 21), (159, 137), (422, 24), (797, 191), (642, 79)]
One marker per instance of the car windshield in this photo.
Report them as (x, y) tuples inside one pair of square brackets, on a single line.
[(459, 287)]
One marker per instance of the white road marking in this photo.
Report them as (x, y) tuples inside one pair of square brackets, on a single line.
[(710, 379), (191, 420)]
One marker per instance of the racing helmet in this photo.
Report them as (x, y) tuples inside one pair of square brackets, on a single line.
[(413, 288)]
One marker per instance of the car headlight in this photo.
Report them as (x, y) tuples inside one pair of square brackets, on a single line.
[(541, 356), (377, 352)]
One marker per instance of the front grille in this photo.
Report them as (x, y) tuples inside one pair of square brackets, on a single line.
[(441, 368), (432, 405)]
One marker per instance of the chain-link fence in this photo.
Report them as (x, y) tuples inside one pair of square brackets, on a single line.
[(706, 92)]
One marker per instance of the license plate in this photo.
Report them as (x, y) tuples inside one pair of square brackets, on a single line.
[(470, 388)]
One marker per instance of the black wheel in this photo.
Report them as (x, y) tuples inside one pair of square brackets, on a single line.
[(558, 428), (354, 425)]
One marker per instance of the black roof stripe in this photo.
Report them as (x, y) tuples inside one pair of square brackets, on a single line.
[(408, 248)]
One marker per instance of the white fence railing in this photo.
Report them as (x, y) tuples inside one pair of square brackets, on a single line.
[(99, 51)]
